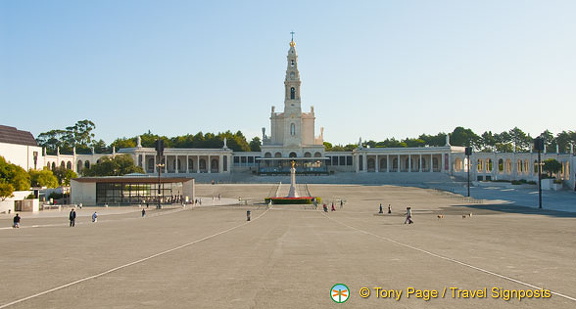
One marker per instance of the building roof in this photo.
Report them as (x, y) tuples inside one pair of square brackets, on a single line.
[(11, 135), (125, 179)]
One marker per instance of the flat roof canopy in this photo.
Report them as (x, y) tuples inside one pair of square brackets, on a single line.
[(133, 179), (293, 159)]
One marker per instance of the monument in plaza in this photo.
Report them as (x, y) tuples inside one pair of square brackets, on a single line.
[(293, 196), (293, 192)]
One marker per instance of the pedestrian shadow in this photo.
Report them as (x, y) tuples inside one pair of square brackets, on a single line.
[(491, 209)]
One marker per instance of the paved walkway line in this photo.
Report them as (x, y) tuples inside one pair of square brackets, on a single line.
[(65, 218), (450, 259), (130, 264)]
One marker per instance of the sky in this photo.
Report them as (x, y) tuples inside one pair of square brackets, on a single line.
[(371, 69)]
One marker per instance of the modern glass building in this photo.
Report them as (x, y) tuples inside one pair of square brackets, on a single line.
[(131, 190)]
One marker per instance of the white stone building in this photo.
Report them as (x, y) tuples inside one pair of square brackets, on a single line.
[(20, 148), (292, 136)]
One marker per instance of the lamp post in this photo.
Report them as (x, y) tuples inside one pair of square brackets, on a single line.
[(539, 145), (160, 166), (468, 152), (159, 153)]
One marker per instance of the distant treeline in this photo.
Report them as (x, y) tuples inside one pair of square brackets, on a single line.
[(80, 136)]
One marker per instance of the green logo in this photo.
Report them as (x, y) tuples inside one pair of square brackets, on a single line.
[(339, 293)]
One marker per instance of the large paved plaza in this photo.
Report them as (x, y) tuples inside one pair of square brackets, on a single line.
[(291, 256)]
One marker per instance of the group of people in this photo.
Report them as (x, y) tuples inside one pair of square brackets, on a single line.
[(382, 210), (408, 213), (71, 218), (325, 207)]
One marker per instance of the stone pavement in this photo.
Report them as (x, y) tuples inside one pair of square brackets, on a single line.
[(564, 200), (291, 256)]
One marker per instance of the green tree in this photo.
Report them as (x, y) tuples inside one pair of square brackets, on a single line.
[(256, 144), (100, 147), (551, 167), (52, 140), (370, 144), (185, 141), (503, 142), (487, 142), (464, 137), (549, 140), (434, 140), (14, 175), (64, 175), (414, 142), (117, 166), (43, 178), (6, 190), (348, 147), (236, 141), (564, 139), (148, 140), (520, 140), (124, 143), (79, 135)]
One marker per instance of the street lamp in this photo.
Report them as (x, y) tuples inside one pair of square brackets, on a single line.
[(539, 145), (159, 153), (468, 152)]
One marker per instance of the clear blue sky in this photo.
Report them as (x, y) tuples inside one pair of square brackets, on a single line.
[(371, 69)]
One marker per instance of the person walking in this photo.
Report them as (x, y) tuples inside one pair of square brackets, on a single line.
[(325, 207), (94, 217), (143, 212), (389, 209), (333, 209), (16, 221), (381, 211), (72, 217), (408, 216)]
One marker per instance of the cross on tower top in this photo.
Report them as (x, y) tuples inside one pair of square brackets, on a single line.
[(292, 43)]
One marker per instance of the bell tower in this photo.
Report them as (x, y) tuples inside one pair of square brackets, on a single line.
[(292, 101), (292, 81), (292, 130)]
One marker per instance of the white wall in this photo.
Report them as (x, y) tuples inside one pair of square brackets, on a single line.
[(8, 204), (22, 155), (81, 192)]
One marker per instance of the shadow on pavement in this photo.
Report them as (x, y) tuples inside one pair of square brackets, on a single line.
[(511, 208)]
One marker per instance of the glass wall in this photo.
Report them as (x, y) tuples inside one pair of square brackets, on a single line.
[(312, 166), (137, 193)]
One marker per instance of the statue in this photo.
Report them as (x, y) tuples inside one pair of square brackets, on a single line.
[(293, 192)]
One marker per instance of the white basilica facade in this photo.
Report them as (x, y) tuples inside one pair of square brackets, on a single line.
[(292, 135)]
